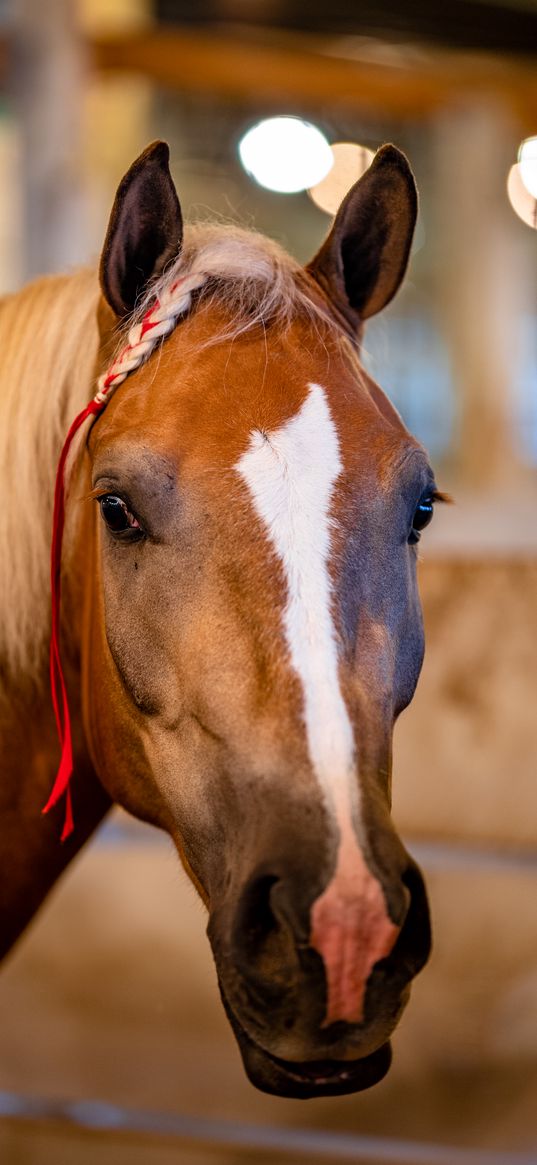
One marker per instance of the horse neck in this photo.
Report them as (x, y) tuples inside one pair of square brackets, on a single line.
[(49, 341)]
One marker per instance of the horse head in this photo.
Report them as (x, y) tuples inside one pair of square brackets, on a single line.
[(252, 626)]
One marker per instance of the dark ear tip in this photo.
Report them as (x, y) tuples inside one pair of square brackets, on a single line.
[(389, 155), (156, 152)]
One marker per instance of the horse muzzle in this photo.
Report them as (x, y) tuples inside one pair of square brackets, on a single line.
[(306, 1079), (274, 988)]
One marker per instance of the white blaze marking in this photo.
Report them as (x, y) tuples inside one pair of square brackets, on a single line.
[(291, 474)]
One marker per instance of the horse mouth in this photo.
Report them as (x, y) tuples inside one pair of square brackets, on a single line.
[(315, 1078), (307, 1079)]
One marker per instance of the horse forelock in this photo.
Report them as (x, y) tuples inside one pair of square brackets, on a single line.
[(250, 275)]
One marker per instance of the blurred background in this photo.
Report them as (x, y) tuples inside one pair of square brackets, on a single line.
[(111, 996)]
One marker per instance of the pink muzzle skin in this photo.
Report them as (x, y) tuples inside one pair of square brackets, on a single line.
[(350, 930)]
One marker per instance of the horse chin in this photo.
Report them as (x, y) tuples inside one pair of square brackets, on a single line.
[(308, 1079), (314, 1077)]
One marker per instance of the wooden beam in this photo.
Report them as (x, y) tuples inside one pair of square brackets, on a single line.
[(242, 70)]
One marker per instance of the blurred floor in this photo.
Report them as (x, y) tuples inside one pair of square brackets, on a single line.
[(112, 995)]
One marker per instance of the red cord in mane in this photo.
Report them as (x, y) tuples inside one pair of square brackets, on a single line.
[(60, 702), (57, 679)]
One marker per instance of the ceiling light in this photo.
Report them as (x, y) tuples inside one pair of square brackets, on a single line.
[(285, 154)]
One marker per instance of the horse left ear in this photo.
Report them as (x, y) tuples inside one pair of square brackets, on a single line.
[(145, 229), (362, 262)]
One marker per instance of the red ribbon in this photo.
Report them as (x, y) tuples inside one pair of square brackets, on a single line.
[(57, 680)]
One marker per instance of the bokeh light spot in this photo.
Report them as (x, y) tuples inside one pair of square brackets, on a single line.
[(285, 154), (350, 162), (523, 203), (527, 159)]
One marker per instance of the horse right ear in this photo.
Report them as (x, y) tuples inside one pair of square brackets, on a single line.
[(145, 230), (361, 264)]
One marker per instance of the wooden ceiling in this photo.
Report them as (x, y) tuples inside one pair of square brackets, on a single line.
[(489, 25), (228, 65)]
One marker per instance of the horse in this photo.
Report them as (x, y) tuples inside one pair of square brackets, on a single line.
[(240, 624)]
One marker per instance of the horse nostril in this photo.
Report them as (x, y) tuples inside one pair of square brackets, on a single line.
[(255, 919), (414, 942)]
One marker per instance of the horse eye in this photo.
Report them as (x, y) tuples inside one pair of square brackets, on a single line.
[(421, 519), (117, 515)]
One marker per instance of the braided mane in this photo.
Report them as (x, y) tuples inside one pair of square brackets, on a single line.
[(251, 275)]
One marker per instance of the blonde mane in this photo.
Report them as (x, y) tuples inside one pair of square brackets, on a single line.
[(48, 341), (49, 345)]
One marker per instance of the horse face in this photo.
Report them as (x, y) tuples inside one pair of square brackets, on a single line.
[(252, 633)]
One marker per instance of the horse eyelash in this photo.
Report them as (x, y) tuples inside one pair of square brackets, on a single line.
[(438, 495), (99, 492)]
